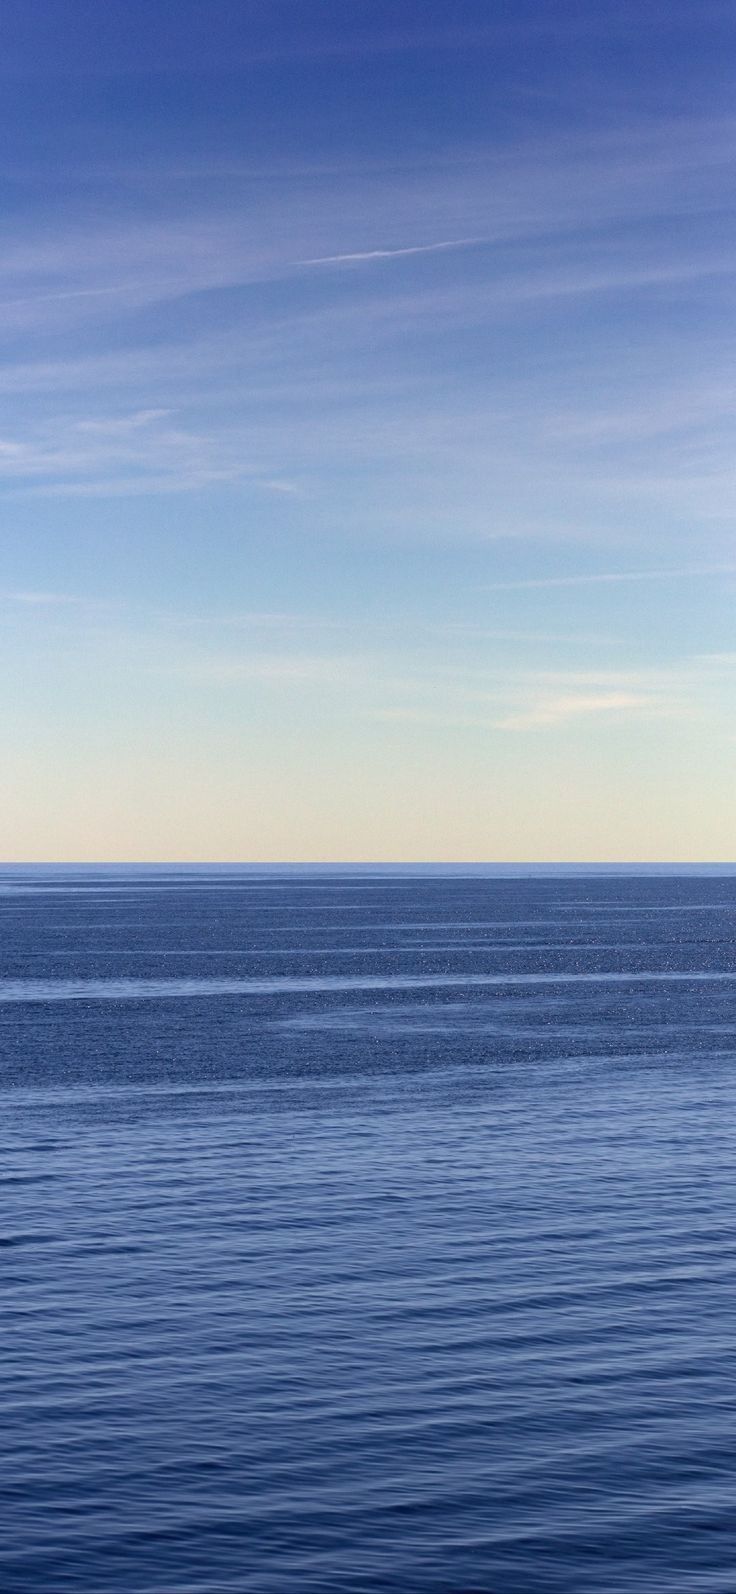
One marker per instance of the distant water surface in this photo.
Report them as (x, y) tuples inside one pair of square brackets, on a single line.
[(367, 1235)]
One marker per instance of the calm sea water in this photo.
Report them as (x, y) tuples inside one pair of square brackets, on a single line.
[(367, 1234)]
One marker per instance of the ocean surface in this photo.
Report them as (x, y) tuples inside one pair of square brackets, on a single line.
[(367, 1234)]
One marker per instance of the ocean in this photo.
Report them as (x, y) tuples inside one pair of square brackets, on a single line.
[(367, 1234)]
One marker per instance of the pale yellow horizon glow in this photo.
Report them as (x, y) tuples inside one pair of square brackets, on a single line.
[(537, 802)]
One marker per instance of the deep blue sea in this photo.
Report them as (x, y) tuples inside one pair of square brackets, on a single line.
[(367, 1234)]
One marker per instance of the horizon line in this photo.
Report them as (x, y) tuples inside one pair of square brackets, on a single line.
[(631, 865)]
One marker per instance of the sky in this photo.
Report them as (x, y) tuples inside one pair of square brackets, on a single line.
[(367, 455)]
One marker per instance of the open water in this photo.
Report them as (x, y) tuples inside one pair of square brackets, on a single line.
[(371, 1235)]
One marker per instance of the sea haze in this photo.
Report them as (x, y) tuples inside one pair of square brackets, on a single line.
[(367, 1232)]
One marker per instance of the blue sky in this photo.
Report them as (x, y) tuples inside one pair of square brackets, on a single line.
[(366, 429)]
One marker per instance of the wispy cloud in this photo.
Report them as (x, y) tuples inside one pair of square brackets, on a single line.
[(256, 232), (390, 254), (289, 669), (549, 713), (121, 425), (353, 375), (43, 600), (134, 453), (504, 698), (558, 710), (610, 576)]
